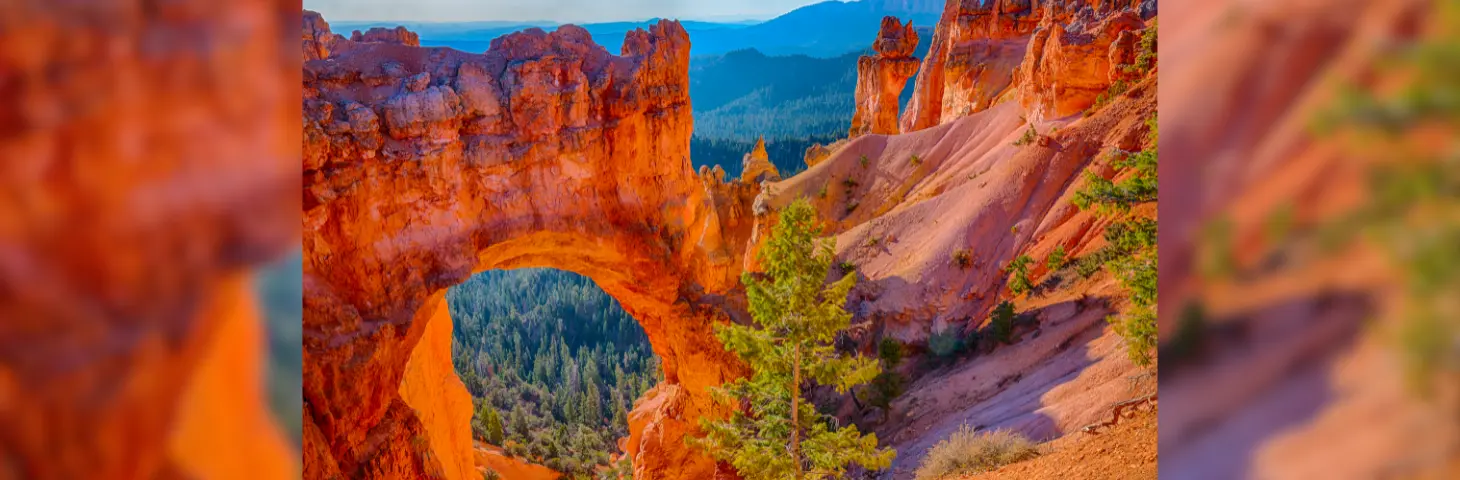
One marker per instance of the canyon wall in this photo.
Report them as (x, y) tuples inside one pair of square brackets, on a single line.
[(882, 76), (423, 166)]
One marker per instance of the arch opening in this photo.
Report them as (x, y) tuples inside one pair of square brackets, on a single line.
[(553, 366)]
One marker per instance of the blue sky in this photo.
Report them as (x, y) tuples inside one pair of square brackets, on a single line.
[(578, 11)]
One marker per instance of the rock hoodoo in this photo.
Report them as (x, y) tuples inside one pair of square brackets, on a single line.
[(423, 166), (756, 166), (882, 76)]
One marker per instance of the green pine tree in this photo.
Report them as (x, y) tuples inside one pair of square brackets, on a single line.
[(778, 435), (492, 425)]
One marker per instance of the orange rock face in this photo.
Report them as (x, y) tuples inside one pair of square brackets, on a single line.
[(433, 389), (425, 165), (141, 184), (756, 166), (1064, 71), (881, 77), (979, 47)]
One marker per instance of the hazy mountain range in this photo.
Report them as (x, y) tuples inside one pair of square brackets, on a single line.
[(826, 29)]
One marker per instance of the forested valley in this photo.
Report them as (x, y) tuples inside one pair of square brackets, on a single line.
[(553, 365)]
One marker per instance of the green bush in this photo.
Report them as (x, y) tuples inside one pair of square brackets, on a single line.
[(1131, 235), (1018, 269), (1056, 258), (491, 475), (885, 388), (1027, 138), (848, 267), (968, 452), (1089, 264), (850, 183), (1001, 322), (864, 161), (890, 351), (915, 160), (1110, 94)]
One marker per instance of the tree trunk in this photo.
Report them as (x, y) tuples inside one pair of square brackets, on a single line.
[(795, 412)]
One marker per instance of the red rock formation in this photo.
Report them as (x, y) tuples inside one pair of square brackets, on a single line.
[(319, 42), (397, 35), (882, 76), (424, 165), (979, 45), (756, 166), (1064, 71), (143, 180)]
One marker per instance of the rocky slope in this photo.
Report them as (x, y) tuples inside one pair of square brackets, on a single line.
[(425, 165)]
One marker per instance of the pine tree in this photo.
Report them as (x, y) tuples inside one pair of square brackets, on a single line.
[(492, 424), (775, 434)]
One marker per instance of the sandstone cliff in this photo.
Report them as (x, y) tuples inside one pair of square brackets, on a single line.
[(881, 78), (424, 165), (979, 45)]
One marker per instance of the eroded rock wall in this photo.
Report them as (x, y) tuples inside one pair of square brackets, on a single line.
[(425, 165), (981, 48)]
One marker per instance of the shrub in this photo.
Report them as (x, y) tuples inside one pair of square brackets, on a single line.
[(864, 161), (890, 351), (1137, 328), (822, 193), (491, 475), (873, 241), (848, 267), (968, 452), (1089, 264), (1131, 235), (1027, 138), (885, 388), (1115, 90), (1056, 258), (852, 206), (850, 183), (963, 258), (1018, 269), (1001, 322), (945, 343), (915, 160)]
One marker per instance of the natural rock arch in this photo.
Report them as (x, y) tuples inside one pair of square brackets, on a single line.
[(426, 165)]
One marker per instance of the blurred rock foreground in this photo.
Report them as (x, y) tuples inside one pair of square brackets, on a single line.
[(150, 155)]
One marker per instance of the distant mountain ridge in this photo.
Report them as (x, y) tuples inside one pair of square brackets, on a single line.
[(823, 30)]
